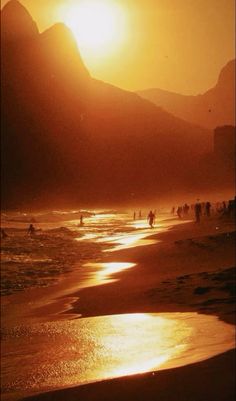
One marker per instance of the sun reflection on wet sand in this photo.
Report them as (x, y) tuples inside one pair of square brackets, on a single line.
[(86, 237), (98, 348), (104, 271), (116, 230), (128, 241), (144, 224)]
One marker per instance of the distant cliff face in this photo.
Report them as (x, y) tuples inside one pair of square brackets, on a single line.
[(66, 135), (214, 108)]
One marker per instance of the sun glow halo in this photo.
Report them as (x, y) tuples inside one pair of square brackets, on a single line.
[(98, 25)]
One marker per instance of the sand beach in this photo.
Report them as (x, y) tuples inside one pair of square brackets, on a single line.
[(181, 271), (118, 200)]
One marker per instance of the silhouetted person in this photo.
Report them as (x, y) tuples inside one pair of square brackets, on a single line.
[(232, 207), (134, 216), (81, 221), (140, 214), (208, 209), (186, 209), (179, 212), (151, 218), (198, 211), (224, 207), (31, 230), (173, 210), (3, 234)]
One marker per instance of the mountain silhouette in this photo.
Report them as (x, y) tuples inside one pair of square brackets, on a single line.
[(17, 23), (61, 52), (67, 136), (214, 108)]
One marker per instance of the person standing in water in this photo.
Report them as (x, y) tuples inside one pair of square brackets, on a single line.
[(31, 230), (81, 222), (151, 218)]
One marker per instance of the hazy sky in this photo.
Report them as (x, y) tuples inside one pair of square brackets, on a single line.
[(177, 45)]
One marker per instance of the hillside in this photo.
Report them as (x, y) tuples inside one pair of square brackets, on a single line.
[(213, 108), (67, 136)]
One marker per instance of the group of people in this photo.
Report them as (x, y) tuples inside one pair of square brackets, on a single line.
[(205, 209), (182, 211), (139, 215), (30, 231), (198, 209)]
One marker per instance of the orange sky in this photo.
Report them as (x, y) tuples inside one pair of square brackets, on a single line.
[(177, 45)]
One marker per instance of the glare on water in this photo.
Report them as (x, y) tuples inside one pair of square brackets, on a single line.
[(72, 352), (90, 349), (103, 271), (118, 230), (130, 241)]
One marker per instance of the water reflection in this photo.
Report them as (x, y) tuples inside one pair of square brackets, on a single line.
[(115, 229), (130, 241), (138, 224), (87, 237), (91, 349), (102, 271)]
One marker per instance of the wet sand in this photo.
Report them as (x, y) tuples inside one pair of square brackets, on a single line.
[(189, 269)]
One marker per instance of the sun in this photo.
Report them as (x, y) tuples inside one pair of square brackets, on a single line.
[(98, 25)]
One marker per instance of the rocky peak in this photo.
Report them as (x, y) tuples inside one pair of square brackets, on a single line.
[(16, 23), (227, 75), (61, 48)]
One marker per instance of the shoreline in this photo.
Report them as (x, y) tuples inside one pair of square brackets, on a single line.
[(158, 282), (55, 301), (200, 381), (162, 274)]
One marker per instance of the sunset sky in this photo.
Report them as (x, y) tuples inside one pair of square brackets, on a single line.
[(177, 45)]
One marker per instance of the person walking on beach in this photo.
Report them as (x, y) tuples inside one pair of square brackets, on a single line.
[(186, 209), (179, 212), (198, 211), (224, 207), (208, 209), (232, 207), (81, 222), (151, 218), (134, 216), (31, 230)]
